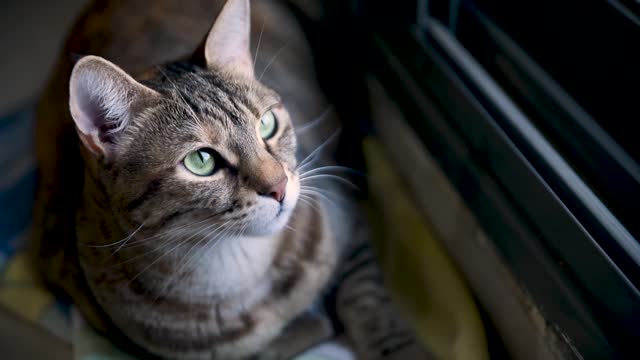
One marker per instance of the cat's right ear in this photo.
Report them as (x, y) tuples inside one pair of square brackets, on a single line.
[(101, 101), (227, 45)]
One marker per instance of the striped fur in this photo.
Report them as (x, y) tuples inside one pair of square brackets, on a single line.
[(364, 307), (182, 266)]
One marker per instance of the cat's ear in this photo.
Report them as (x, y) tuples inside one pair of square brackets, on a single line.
[(101, 100), (227, 45)]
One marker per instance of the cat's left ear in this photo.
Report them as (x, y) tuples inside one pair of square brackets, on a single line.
[(102, 98), (227, 45)]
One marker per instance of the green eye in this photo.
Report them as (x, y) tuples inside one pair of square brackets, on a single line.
[(268, 125), (200, 162)]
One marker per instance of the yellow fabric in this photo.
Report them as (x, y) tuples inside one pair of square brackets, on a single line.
[(19, 290), (424, 281)]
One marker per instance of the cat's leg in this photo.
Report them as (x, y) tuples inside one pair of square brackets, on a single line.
[(304, 332), (372, 323)]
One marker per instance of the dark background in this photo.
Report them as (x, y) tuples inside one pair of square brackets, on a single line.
[(31, 35)]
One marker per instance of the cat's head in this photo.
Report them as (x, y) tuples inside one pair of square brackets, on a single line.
[(193, 144)]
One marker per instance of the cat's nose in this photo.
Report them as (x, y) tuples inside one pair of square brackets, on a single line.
[(278, 191)]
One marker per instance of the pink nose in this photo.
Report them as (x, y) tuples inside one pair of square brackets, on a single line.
[(279, 190)]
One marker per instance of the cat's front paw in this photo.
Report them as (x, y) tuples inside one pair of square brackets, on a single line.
[(303, 333)]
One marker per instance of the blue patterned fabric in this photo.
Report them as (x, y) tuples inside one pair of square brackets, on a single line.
[(17, 180)]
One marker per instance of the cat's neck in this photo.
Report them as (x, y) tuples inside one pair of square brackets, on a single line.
[(244, 284), (180, 267), (232, 267)]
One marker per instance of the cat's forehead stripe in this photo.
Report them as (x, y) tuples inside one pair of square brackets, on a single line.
[(207, 93)]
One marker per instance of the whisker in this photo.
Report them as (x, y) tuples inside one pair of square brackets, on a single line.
[(255, 58), (318, 149), (331, 168), (204, 238), (161, 234), (235, 255), (315, 121), (127, 238), (330, 177), (244, 251), (163, 246), (308, 192), (214, 241), (218, 233), (186, 104), (188, 258), (162, 256), (340, 196), (172, 249), (311, 201), (173, 230), (168, 232), (271, 62)]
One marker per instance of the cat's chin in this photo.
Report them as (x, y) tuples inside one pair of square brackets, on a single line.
[(271, 217), (271, 223)]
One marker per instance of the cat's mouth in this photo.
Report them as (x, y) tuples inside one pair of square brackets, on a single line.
[(284, 211), (272, 216)]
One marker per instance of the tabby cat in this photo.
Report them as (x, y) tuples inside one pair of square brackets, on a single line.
[(182, 219)]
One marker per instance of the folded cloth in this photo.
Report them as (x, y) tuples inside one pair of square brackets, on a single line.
[(425, 283)]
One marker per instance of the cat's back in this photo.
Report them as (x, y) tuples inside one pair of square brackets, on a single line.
[(136, 34)]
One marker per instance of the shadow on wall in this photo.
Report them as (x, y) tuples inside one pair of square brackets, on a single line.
[(31, 35)]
